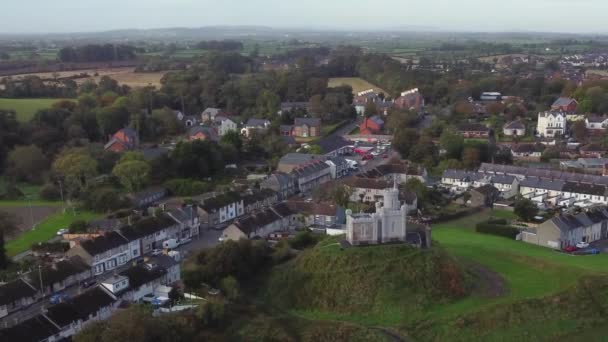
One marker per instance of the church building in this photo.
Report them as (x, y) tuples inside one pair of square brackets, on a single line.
[(387, 224)]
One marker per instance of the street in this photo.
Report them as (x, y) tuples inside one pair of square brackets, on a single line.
[(207, 239)]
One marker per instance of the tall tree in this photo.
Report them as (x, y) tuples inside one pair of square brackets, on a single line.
[(7, 226), (27, 163)]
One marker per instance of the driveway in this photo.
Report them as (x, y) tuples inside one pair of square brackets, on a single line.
[(601, 245)]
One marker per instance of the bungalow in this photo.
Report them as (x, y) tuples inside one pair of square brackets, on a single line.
[(474, 131), (514, 129), (147, 197), (568, 230), (527, 151), (291, 161), (372, 125), (16, 295), (124, 140), (596, 123), (261, 224), (202, 133), (366, 189), (335, 145), (322, 214), (592, 151), (255, 125), (564, 104)]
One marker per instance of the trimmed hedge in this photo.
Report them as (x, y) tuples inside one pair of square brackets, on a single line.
[(499, 221), (497, 229)]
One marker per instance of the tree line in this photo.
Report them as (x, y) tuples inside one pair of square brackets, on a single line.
[(97, 53)]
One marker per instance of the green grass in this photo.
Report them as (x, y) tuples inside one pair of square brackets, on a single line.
[(31, 192), (504, 214), (358, 84), (45, 231), (26, 108)]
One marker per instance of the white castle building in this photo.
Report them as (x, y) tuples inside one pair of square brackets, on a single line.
[(387, 224)]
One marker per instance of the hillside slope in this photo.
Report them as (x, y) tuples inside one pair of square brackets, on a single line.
[(378, 283)]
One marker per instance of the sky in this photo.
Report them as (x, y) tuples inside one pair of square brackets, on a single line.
[(51, 16)]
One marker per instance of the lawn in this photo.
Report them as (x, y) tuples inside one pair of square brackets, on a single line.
[(46, 230), (31, 192), (26, 108), (358, 84)]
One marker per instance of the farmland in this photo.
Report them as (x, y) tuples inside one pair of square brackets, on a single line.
[(358, 84), (26, 108), (126, 76)]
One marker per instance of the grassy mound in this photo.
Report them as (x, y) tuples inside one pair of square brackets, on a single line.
[(378, 283), (577, 314)]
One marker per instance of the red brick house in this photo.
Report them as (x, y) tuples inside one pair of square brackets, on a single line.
[(410, 100), (202, 133), (564, 104), (474, 130), (592, 151), (124, 140), (373, 125), (302, 128)]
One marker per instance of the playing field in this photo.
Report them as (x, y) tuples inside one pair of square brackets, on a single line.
[(358, 84), (46, 230), (26, 108)]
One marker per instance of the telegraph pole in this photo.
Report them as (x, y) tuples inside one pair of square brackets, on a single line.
[(40, 276)]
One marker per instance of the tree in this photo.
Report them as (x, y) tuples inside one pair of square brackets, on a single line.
[(525, 209), (453, 143), (133, 174), (230, 286), (416, 186), (579, 129), (76, 167), (233, 138), (404, 139), (315, 149), (27, 163), (471, 157), (7, 226), (341, 195)]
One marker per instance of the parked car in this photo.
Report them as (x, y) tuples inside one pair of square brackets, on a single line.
[(368, 157), (156, 252), (88, 283), (570, 249), (62, 231), (582, 245), (58, 298)]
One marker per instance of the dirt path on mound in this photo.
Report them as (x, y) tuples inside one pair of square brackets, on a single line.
[(490, 284)]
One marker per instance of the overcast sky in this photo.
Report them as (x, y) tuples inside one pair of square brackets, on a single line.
[(27, 16)]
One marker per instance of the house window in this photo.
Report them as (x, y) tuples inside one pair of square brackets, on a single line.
[(98, 268), (135, 252)]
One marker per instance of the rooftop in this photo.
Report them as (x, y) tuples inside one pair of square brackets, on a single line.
[(15, 290), (103, 243)]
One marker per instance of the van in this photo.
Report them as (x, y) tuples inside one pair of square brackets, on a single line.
[(170, 244)]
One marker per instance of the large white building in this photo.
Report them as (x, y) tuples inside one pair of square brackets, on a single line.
[(551, 124), (387, 224)]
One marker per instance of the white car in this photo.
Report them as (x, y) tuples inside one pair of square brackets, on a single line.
[(582, 245), (60, 232), (156, 252)]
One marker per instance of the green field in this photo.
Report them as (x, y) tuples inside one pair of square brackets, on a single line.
[(26, 108), (358, 84), (45, 231)]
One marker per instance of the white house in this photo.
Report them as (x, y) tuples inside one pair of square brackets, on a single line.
[(596, 123), (225, 125), (514, 129), (254, 125), (551, 124)]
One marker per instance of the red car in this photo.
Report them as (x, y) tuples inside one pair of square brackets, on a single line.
[(384, 156), (368, 157), (570, 249)]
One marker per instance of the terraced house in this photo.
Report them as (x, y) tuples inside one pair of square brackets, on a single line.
[(568, 230)]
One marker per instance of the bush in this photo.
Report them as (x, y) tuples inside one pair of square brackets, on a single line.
[(51, 247), (497, 229), (50, 192), (303, 240), (187, 187), (104, 200), (12, 193), (498, 221), (78, 226)]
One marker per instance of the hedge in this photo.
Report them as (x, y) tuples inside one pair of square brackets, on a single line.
[(497, 229)]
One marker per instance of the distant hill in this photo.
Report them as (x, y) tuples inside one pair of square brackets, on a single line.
[(370, 281)]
